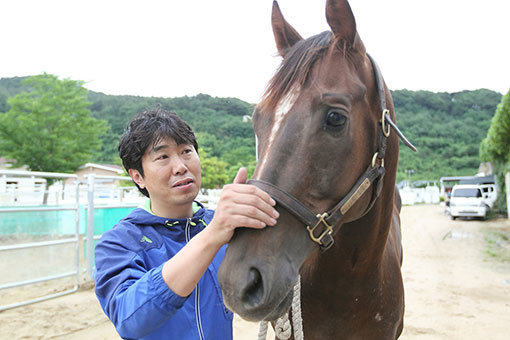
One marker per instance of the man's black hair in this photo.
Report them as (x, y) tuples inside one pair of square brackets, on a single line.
[(145, 130)]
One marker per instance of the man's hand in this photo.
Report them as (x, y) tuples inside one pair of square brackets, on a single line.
[(242, 205)]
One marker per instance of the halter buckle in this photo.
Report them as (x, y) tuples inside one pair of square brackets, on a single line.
[(385, 126), (374, 159), (327, 231)]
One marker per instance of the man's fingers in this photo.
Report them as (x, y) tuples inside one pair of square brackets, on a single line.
[(233, 189), (254, 202), (247, 222), (241, 176), (253, 212)]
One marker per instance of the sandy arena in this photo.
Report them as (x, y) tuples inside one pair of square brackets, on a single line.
[(454, 290)]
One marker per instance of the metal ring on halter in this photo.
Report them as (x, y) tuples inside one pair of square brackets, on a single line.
[(385, 127), (375, 158)]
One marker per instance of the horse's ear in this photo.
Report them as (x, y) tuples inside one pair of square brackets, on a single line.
[(284, 34), (341, 20)]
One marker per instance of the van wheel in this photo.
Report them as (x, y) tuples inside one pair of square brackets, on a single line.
[(454, 218)]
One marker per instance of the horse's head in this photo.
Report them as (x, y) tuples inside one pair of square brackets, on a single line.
[(318, 129)]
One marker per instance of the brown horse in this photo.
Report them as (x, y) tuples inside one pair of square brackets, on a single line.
[(325, 145)]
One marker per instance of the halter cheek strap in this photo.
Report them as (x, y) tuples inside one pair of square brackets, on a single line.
[(320, 226)]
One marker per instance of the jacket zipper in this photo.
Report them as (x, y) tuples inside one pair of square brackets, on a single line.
[(197, 289)]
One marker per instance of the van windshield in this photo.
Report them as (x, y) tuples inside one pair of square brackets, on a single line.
[(467, 193)]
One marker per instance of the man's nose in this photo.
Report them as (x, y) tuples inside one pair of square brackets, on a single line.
[(178, 166)]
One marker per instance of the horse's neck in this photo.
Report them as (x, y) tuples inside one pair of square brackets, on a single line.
[(351, 274)]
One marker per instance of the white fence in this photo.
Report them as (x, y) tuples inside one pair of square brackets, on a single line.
[(16, 190), (52, 243), (429, 195), (209, 198)]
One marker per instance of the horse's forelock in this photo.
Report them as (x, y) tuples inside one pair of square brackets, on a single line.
[(295, 68)]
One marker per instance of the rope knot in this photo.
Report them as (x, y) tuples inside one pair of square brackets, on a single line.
[(282, 327)]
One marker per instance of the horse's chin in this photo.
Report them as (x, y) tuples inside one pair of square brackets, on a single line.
[(281, 309), (267, 312)]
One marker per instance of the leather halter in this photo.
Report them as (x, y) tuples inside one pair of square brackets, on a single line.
[(320, 226)]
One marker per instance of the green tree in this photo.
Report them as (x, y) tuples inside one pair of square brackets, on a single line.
[(214, 171), (496, 146), (232, 170), (50, 128), (207, 143)]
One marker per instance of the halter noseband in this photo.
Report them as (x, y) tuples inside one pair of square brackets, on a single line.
[(320, 226)]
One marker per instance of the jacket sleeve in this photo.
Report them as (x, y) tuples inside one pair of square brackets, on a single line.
[(135, 299)]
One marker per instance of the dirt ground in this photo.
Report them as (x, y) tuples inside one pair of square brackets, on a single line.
[(454, 289)]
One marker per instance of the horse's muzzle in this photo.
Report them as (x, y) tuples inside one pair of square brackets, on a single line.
[(253, 302)]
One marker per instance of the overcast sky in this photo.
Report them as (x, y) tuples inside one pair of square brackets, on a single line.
[(226, 48)]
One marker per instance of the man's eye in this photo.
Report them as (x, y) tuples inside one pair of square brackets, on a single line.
[(335, 119), (162, 157)]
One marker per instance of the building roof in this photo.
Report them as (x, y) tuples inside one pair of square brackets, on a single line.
[(108, 167), (479, 180), (470, 179)]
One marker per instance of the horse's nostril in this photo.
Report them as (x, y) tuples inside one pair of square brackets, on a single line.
[(254, 290)]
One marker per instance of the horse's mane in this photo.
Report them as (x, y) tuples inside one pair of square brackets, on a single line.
[(295, 68)]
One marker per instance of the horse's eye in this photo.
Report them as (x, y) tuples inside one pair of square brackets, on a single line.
[(335, 119)]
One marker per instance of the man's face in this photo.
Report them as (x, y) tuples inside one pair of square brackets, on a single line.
[(172, 176)]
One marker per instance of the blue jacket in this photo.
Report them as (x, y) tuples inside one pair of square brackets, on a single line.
[(130, 288)]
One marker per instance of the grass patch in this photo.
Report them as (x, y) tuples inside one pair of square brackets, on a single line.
[(497, 244)]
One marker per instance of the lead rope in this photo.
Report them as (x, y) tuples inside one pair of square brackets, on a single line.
[(283, 330)]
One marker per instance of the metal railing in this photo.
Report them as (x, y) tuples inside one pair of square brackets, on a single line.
[(74, 240), (90, 219)]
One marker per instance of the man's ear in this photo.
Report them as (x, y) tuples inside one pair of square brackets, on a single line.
[(137, 177)]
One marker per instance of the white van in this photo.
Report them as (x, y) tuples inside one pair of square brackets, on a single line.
[(468, 200), (489, 193)]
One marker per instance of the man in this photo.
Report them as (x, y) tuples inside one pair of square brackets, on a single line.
[(156, 270)]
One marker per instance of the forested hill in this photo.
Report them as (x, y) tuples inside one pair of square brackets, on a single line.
[(447, 128)]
